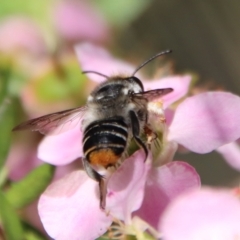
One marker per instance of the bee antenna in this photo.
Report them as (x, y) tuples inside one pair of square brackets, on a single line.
[(150, 59), (100, 74)]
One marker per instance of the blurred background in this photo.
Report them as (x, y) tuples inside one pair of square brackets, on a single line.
[(39, 72)]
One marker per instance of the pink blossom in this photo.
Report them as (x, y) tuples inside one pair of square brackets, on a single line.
[(209, 120), (69, 209), (143, 189), (73, 201), (163, 185), (21, 34), (202, 214), (21, 160), (78, 20)]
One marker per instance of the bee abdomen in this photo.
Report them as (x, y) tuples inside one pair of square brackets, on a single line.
[(105, 141)]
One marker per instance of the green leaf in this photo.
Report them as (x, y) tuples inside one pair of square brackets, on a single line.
[(127, 237), (50, 87), (28, 189), (64, 81), (38, 10), (6, 109), (3, 176), (76, 81), (12, 77), (19, 6), (11, 223), (33, 236), (6, 123), (4, 76), (30, 233)]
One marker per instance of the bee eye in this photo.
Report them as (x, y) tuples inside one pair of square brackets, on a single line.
[(109, 91), (137, 81)]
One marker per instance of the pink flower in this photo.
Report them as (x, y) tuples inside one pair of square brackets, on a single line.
[(21, 34), (21, 160), (209, 121), (78, 20), (126, 188), (142, 189), (73, 201), (163, 185), (202, 214)]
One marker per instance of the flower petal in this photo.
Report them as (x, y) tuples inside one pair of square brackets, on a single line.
[(163, 185), (126, 186), (202, 214), (20, 33), (62, 148), (206, 121), (231, 153), (180, 85), (98, 59), (26, 160), (76, 20), (69, 209)]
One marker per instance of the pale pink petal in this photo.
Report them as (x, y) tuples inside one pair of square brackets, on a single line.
[(126, 186), (77, 20), (206, 121), (62, 148), (163, 185), (98, 59), (20, 33), (231, 153), (21, 160), (205, 214), (61, 171), (69, 209), (179, 84)]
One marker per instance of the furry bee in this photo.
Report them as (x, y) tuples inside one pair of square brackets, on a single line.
[(116, 112)]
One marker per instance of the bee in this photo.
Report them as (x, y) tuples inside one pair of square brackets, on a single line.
[(115, 113)]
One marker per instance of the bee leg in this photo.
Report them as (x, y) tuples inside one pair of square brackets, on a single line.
[(136, 132), (99, 178)]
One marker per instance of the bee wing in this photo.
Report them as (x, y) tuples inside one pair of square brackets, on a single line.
[(153, 94), (54, 123)]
